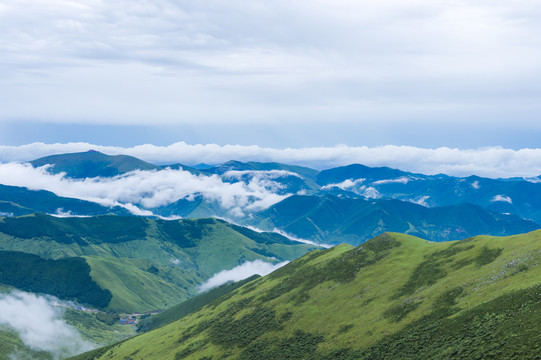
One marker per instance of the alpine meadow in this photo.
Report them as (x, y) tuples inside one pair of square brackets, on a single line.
[(328, 180)]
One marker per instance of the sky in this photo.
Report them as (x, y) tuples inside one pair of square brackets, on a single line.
[(273, 73)]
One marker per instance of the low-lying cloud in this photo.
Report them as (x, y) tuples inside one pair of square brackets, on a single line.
[(241, 272), (40, 326), (146, 189), (502, 198), (344, 185), (401, 180), (490, 162)]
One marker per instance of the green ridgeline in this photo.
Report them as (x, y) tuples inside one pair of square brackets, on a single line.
[(396, 296), (145, 264)]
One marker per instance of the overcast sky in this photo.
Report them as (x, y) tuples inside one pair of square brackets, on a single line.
[(424, 73)]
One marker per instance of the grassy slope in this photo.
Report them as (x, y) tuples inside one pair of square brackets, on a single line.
[(146, 264), (189, 306), (393, 297)]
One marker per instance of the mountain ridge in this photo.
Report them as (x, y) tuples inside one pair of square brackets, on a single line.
[(395, 296)]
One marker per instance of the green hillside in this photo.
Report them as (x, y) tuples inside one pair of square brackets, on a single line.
[(333, 219), (92, 164), (146, 264), (189, 306), (393, 297)]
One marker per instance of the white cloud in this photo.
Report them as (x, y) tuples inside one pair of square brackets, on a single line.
[(344, 185), (400, 180), (261, 178), (60, 213), (147, 189), (304, 241), (368, 192), (39, 324), (371, 193), (421, 201), (475, 185), (241, 272), (261, 174), (502, 198), (491, 162)]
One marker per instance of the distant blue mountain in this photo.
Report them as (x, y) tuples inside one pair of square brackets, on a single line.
[(361, 185), (332, 219), (513, 196)]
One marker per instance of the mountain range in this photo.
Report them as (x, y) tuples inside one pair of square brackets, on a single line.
[(344, 204), (334, 220)]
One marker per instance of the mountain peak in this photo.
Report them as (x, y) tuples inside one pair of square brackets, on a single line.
[(92, 163)]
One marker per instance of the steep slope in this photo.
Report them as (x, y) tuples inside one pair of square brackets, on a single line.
[(146, 264), (92, 164), (17, 201), (395, 296), (332, 219)]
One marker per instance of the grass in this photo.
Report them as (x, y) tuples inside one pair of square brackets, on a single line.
[(483, 298)]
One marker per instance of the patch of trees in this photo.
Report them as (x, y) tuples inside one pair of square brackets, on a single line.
[(67, 278)]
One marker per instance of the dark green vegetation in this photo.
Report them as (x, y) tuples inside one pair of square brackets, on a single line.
[(17, 201), (189, 306), (67, 278), (395, 296), (332, 219), (92, 164), (146, 264)]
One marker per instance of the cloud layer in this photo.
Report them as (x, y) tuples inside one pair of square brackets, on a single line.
[(490, 162), (241, 272), (388, 62), (147, 189), (40, 326)]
